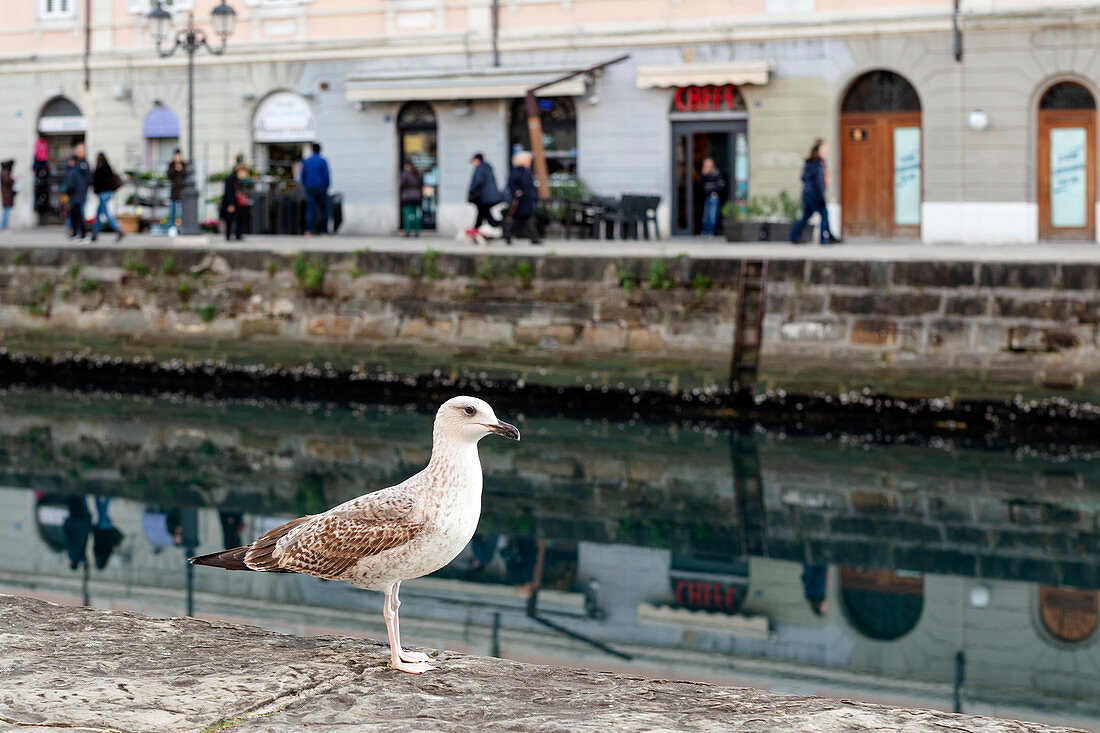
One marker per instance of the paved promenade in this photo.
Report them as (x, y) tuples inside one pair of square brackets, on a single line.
[(693, 247)]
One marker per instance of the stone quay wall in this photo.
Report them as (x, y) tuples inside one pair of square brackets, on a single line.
[(1002, 321)]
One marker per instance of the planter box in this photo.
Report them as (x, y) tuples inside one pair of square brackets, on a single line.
[(128, 223), (762, 231)]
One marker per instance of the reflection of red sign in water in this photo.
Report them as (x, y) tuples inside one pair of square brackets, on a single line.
[(706, 99), (706, 595)]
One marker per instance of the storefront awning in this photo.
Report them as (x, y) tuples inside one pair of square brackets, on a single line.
[(442, 85), (161, 122), (717, 74)]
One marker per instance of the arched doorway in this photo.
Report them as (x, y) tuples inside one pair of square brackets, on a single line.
[(880, 157), (61, 125), (1067, 163), (282, 129), (882, 604), (416, 128)]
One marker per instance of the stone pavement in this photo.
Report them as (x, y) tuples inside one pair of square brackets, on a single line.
[(692, 246), (65, 668)]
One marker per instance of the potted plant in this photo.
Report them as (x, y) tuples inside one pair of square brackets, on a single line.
[(765, 219)]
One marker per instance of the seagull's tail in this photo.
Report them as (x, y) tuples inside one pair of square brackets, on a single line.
[(228, 559)]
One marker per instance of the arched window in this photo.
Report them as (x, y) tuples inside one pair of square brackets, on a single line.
[(881, 603), (1067, 95), (881, 91), (1069, 614), (416, 116), (559, 135)]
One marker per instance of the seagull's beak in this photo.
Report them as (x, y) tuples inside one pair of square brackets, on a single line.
[(503, 428)]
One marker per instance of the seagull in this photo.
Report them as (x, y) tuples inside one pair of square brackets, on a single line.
[(378, 540)]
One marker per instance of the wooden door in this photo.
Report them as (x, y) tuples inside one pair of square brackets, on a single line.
[(881, 174), (1067, 174)]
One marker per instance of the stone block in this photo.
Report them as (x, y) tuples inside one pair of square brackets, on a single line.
[(874, 332), (424, 328), (545, 337), (330, 327), (604, 336), (377, 328), (964, 305), (630, 315), (801, 331), (948, 333), (934, 274), (1080, 277), (644, 340), (859, 274), (1017, 275), (1047, 309), (885, 304), (260, 327), (485, 330)]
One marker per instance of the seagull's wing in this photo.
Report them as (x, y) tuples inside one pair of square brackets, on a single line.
[(325, 545)]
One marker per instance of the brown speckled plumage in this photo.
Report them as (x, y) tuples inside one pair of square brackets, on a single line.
[(377, 540)]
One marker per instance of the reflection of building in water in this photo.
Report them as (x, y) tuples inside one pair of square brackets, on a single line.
[(1021, 640)]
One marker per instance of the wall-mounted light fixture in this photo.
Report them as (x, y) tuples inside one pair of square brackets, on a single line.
[(977, 120), (361, 106), (248, 96)]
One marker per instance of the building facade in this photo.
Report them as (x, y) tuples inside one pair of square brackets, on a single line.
[(976, 127)]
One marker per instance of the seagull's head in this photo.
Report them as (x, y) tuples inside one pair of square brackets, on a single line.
[(469, 419)]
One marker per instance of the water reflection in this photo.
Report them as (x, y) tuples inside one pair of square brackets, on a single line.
[(837, 566)]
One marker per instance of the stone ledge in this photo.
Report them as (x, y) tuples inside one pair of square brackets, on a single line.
[(66, 668)]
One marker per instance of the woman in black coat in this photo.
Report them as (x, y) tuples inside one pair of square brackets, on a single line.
[(234, 203), (815, 177), (525, 200), (104, 183)]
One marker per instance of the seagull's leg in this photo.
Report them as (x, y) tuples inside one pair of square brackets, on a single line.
[(389, 613), (406, 656)]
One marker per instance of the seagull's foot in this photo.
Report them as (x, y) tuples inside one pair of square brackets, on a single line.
[(413, 656), (412, 667)]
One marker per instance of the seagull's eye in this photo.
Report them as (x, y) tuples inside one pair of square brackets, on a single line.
[(470, 410)]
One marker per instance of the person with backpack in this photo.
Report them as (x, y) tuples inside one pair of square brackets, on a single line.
[(105, 182), (78, 179), (483, 191)]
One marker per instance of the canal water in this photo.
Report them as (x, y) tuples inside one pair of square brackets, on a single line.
[(912, 572)]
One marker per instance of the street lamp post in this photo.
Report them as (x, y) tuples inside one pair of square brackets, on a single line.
[(190, 38)]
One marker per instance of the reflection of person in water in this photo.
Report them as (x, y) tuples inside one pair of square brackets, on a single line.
[(232, 526), (105, 536), (77, 527), (814, 579)]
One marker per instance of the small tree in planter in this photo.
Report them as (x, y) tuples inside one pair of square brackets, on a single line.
[(766, 219)]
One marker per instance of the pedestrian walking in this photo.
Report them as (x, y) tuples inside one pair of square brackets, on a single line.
[(78, 178), (235, 203), (177, 180), (316, 181), (412, 197), (483, 191), (713, 185), (815, 179), (105, 182), (525, 200), (7, 193)]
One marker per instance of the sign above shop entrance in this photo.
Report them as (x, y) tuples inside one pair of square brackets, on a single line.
[(284, 117), (709, 98)]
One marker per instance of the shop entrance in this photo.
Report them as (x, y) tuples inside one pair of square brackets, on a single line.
[(60, 127), (1067, 163), (880, 157), (707, 122), (416, 129)]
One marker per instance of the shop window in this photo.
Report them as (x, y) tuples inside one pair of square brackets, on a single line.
[(881, 91), (1069, 614), (559, 135), (882, 604), (1067, 95)]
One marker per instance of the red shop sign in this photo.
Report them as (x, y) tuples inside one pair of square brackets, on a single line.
[(706, 99), (707, 595)]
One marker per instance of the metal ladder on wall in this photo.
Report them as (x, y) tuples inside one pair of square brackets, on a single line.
[(749, 335)]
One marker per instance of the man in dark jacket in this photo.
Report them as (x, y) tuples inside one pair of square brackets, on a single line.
[(78, 178), (483, 191), (525, 200), (315, 180), (713, 186)]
